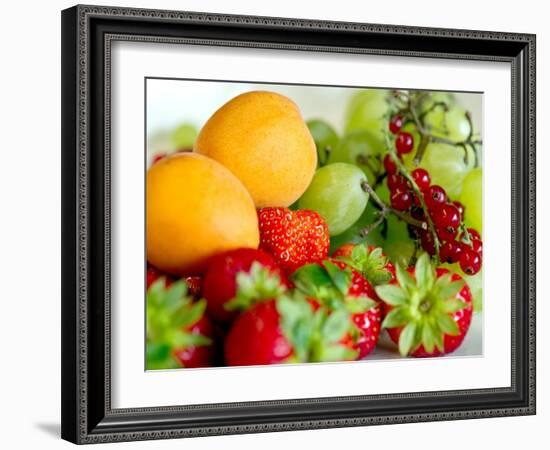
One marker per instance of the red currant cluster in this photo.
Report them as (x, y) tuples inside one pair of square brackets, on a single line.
[(446, 215)]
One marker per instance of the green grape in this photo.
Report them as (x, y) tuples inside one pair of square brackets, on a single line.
[(336, 194), (398, 245), (324, 136), (472, 199), (445, 164), (360, 148), (353, 233), (368, 110), (184, 136), (431, 98), (452, 124), (383, 192)]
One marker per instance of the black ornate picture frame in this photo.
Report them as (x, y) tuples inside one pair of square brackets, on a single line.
[(87, 34)]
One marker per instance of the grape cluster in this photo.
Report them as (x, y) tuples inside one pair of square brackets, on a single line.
[(446, 215)]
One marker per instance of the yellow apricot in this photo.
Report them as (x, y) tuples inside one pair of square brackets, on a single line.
[(262, 138), (195, 209)]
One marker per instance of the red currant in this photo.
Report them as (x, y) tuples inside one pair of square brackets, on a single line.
[(396, 123), (404, 142), (422, 178), (474, 235), (427, 241), (417, 212), (470, 261), (477, 246), (397, 182), (460, 208), (401, 200), (447, 218), (389, 165), (450, 252), (435, 197)]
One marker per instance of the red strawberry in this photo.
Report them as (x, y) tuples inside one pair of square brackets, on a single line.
[(197, 355), (178, 332), (153, 274), (286, 329), (244, 273), (337, 287), (158, 157), (194, 284), (294, 238), (368, 260), (428, 310)]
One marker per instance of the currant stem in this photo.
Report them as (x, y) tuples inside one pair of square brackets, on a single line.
[(426, 137), (403, 170), (385, 210)]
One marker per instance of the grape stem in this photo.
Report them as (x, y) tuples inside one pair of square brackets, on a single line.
[(385, 210)]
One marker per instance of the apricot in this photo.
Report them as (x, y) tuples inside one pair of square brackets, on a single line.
[(196, 208), (262, 138)]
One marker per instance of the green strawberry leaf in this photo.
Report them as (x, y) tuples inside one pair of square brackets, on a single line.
[(341, 278), (392, 295), (396, 317), (187, 316), (451, 290), (424, 273), (407, 338), (336, 352), (335, 326), (453, 305), (180, 338), (447, 325), (357, 305), (405, 280), (174, 296), (371, 265), (297, 323), (310, 278), (439, 341), (259, 283), (428, 337)]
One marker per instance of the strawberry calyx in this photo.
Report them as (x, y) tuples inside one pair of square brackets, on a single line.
[(171, 312), (422, 304), (257, 284), (330, 285), (316, 334), (370, 262)]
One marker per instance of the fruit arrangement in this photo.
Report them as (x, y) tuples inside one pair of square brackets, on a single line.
[(274, 240)]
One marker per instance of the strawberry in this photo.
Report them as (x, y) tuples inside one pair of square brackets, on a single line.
[(179, 334), (194, 355), (338, 287), (153, 274), (235, 276), (428, 310), (287, 329), (368, 260), (294, 238), (194, 284)]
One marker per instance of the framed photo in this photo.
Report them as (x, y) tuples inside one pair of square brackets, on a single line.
[(282, 224)]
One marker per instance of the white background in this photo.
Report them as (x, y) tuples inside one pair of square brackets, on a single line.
[(30, 225)]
